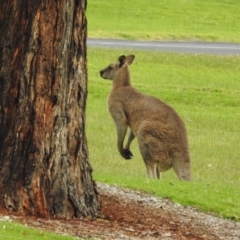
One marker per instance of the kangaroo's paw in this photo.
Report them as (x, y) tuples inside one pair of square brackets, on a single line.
[(127, 154)]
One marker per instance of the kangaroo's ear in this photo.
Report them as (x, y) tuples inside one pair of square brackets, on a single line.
[(122, 60), (130, 59)]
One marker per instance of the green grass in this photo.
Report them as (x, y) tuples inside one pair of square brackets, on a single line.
[(205, 90), (15, 231), (211, 20)]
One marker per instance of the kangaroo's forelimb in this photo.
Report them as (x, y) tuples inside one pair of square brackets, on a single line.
[(121, 126), (121, 133), (130, 139), (127, 151)]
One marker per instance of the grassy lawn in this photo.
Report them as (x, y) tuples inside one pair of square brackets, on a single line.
[(205, 90), (15, 231), (210, 20)]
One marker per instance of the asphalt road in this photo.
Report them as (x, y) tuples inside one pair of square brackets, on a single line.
[(181, 47)]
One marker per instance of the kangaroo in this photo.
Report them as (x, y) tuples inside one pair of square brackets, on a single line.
[(160, 132)]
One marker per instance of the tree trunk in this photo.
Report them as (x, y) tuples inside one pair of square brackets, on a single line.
[(44, 166)]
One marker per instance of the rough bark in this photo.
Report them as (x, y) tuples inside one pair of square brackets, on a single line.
[(44, 165)]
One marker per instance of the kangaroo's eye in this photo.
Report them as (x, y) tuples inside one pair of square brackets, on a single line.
[(110, 68)]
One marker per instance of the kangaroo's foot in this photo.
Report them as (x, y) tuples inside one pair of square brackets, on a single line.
[(126, 153)]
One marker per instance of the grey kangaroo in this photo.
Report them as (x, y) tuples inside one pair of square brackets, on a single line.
[(160, 132)]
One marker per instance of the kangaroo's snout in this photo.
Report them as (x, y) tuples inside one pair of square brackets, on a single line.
[(103, 73)]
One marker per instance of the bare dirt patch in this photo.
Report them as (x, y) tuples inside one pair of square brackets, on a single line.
[(134, 215)]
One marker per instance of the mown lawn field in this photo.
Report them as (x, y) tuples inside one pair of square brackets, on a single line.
[(15, 231), (205, 90), (193, 20)]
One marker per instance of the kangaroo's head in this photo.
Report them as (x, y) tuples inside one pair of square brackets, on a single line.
[(118, 71)]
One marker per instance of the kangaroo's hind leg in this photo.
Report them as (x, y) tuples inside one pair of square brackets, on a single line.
[(150, 164), (182, 168), (158, 172), (152, 169)]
